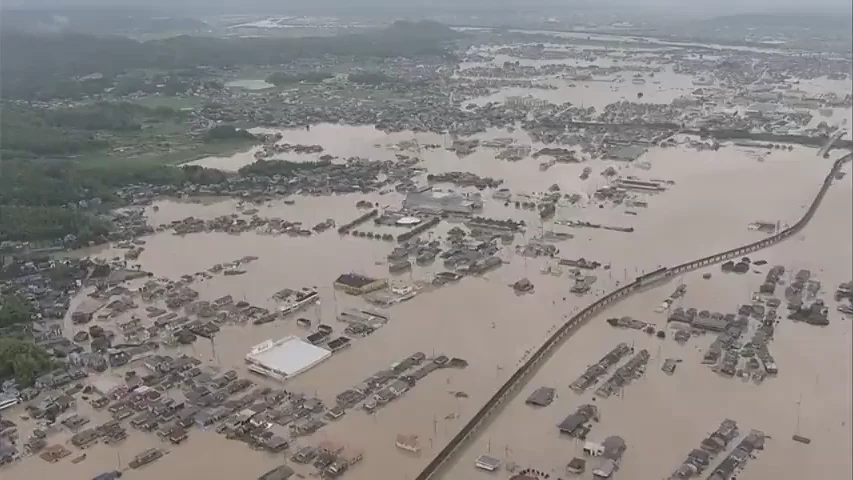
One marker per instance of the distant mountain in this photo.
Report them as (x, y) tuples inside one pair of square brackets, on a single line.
[(100, 21), (792, 20), (55, 64)]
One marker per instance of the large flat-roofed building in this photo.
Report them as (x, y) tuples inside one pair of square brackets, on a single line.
[(285, 358), (624, 153), (356, 284), (433, 202)]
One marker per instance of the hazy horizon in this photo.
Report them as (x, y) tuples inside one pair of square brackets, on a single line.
[(715, 8)]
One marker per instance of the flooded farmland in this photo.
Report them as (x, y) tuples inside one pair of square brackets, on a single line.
[(689, 200)]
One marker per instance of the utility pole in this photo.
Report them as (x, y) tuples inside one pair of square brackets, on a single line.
[(213, 347), (797, 428)]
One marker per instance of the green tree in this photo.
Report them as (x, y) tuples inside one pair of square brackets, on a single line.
[(228, 132), (14, 310), (22, 360), (42, 67)]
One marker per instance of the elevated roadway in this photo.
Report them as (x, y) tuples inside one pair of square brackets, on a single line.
[(520, 377), (830, 142)]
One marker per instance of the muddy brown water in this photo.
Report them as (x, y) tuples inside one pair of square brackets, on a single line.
[(714, 197)]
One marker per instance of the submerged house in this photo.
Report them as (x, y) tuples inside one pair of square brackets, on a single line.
[(542, 397), (613, 449), (356, 284), (409, 443), (575, 424)]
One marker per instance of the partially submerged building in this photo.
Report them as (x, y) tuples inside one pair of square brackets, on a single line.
[(739, 456), (86, 311), (624, 153), (436, 203), (614, 448), (285, 358), (281, 472), (357, 284), (594, 372), (576, 466), (610, 451), (409, 443), (107, 385), (575, 424), (720, 439), (487, 463), (542, 397)]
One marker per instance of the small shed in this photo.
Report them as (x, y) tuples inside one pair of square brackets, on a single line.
[(593, 449), (487, 463), (409, 443), (576, 466)]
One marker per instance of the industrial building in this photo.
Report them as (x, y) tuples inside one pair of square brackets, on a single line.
[(285, 358), (436, 203), (356, 284), (624, 153)]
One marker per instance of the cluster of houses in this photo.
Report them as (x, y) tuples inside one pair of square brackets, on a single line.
[(725, 354), (633, 368), (699, 459), (109, 432), (38, 282), (332, 459), (737, 459), (386, 385), (52, 407), (593, 373)]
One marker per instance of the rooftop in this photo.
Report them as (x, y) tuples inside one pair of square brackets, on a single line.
[(355, 280), (282, 472), (286, 357), (487, 462), (627, 153), (542, 397)]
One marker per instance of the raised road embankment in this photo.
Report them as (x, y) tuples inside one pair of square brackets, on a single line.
[(520, 377)]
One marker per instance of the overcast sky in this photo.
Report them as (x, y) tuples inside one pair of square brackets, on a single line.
[(251, 6)]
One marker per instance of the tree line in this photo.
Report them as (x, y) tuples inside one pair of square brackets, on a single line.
[(20, 359), (35, 132), (40, 66)]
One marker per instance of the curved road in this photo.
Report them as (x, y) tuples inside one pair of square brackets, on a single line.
[(520, 377)]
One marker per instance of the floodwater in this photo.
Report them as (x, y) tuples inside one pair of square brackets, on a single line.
[(663, 88), (715, 196), (629, 41), (712, 198), (663, 417), (249, 84)]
